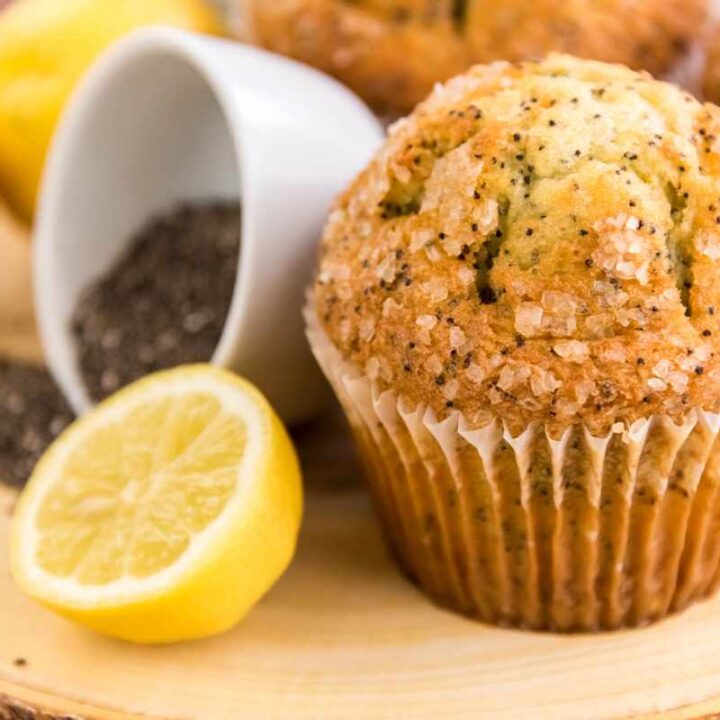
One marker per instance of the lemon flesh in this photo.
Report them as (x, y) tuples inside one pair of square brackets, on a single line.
[(166, 513), (45, 47)]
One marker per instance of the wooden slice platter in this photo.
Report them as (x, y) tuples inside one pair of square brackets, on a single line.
[(343, 635)]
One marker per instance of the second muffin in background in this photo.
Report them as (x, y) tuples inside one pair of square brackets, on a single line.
[(518, 304), (391, 52), (711, 78)]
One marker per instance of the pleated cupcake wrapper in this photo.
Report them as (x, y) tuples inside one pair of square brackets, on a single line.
[(574, 533)]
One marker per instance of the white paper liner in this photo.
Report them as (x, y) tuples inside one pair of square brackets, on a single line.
[(572, 533)]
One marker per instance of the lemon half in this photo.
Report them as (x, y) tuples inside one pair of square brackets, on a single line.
[(164, 514)]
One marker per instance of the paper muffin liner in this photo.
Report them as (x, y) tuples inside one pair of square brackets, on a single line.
[(574, 533)]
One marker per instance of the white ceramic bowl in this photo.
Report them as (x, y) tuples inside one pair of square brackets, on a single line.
[(168, 116)]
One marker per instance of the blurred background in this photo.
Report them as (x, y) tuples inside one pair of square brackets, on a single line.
[(391, 52)]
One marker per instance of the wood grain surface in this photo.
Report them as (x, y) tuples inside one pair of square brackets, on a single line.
[(343, 635)]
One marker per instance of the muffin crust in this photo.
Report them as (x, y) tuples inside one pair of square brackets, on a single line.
[(392, 51), (538, 242)]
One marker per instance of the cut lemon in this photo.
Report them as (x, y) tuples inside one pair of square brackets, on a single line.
[(164, 514)]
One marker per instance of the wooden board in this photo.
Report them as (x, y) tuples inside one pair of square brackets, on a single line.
[(343, 635)]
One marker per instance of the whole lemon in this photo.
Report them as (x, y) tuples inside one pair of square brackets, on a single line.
[(45, 46)]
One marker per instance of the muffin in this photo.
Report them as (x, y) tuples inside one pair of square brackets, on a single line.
[(711, 80), (518, 306), (392, 52)]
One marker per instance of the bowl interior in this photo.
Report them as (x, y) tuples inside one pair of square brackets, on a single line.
[(141, 136)]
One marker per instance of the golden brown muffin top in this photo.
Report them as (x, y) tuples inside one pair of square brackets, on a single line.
[(392, 51), (538, 242)]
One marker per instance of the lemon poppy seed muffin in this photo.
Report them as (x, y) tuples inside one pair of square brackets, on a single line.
[(527, 281), (392, 51), (546, 236)]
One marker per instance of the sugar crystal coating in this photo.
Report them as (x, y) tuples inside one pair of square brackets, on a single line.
[(538, 241)]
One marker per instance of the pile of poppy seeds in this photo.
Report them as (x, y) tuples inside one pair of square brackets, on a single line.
[(164, 302), (33, 413)]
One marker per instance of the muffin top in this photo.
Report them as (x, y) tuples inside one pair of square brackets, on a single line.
[(538, 242), (393, 51)]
